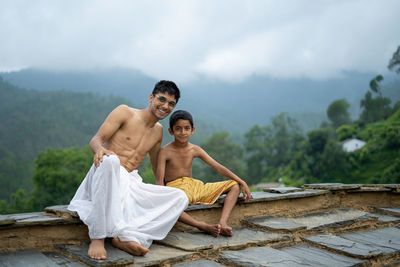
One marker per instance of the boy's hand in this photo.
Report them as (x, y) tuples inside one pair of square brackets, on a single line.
[(246, 192)]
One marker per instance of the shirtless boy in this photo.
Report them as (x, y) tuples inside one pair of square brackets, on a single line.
[(175, 170), (112, 199)]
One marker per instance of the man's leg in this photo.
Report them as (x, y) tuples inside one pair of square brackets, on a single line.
[(212, 229), (229, 202)]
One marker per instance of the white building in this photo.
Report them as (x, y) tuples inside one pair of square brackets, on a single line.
[(351, 145)]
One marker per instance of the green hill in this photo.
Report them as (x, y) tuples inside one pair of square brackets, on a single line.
[(32, 121)]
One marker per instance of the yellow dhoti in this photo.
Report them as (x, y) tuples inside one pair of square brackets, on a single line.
[(200, 193)]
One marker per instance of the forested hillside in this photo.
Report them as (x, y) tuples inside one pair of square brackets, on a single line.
[(31, 121)]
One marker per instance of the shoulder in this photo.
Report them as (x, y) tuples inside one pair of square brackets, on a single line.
[(197, 150), (123, 111)]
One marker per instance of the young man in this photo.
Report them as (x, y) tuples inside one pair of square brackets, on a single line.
[(112, 199), (175, 170)]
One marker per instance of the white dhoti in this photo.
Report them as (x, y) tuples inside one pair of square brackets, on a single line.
[(115, 203)]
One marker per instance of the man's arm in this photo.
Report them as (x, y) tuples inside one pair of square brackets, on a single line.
[(111, 124), (224, 171), (161, 162)]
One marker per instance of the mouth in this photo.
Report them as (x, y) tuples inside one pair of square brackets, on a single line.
[(162, 112)]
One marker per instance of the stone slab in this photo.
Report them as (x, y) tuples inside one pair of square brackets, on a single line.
[(345, 246), (115, 256), (198, 263), (27, 257), (159, 254), (36, 218), (261, 256), (319, 257), (61, 211), (332, 186), (385, 218), (331, 219), (364, 244), (241, 237), (275, 223), (266, 196), (282, 190), (394, 211), (62, 260)]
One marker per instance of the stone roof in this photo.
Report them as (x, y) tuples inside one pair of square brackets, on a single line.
[(316, 225)]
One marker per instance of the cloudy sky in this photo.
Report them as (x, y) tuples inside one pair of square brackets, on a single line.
[(184, 39)]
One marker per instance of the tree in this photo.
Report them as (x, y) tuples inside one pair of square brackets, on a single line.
[(338, 114), (395, 61), (345, 132), (58, 174), (221, 148), (269, 149)]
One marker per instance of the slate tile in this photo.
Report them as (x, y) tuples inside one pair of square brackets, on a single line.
[(62, 260), (393, 211), (385, 218), (386, 239), (61, 210), (362, 244), (266, 196), (27, 257), (275, 223), (241, 237), (198, 263), (115, 256), (282, 190), (159, 253), (319, 257), (345, 246), (331, 186), (261, 256), (332, 218)]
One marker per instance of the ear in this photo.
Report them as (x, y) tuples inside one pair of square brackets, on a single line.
[(151, 97), (170, 131), (193, 130)]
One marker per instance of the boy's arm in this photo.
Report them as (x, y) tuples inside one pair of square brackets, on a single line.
[(224, 171), (161, 162)]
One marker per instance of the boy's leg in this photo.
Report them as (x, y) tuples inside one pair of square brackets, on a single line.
[(131, 247), (212, 229), (232, 195), (96, 249)]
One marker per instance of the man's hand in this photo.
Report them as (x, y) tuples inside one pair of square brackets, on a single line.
[(98, 156), (246, 192)]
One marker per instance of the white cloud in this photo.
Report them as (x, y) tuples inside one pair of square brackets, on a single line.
[(181, 40)]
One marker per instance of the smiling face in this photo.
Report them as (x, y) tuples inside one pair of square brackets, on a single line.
[(182, 131), (162, 104)]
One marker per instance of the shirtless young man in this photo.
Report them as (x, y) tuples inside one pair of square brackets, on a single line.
[(174, 169), (112, 199)]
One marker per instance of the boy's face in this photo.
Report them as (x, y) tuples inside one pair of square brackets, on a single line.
[(182, 130)]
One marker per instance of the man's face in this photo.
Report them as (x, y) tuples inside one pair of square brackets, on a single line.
[(162, 104)]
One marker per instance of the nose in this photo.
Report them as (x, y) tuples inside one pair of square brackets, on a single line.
[(165, 105)]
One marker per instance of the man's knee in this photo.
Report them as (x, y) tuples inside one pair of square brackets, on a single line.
[(235, 189), (111, 162)]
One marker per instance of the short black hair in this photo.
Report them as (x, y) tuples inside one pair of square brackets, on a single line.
[(180, 115), (169, 87)]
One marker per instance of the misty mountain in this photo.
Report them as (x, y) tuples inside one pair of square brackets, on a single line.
[(226, 106)]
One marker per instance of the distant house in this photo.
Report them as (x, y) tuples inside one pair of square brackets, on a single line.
[(351, 145)]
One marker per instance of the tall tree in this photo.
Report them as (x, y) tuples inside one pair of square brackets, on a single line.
[(338, 112), (395, 61)]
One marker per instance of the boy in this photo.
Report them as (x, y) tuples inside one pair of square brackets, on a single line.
[(174, 168)]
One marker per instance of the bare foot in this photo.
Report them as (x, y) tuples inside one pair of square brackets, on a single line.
[(226, 230), (212, 229), (96, 249), (131, 247)]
